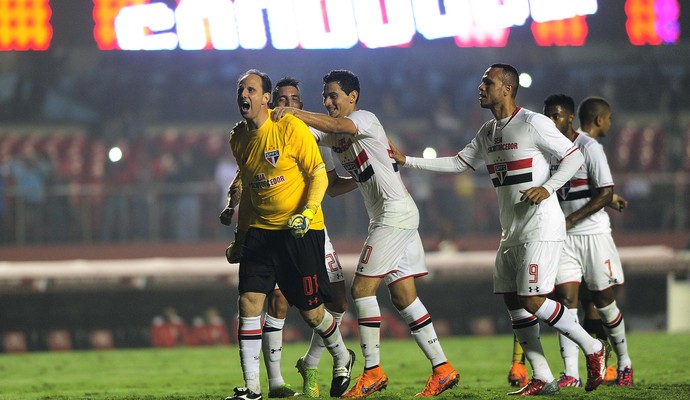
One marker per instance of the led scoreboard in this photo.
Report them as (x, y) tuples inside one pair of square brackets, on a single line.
[(330, 24)]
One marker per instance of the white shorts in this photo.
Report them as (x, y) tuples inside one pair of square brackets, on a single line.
[(528, 269), (392, 254), (333, 267), (593, 257)]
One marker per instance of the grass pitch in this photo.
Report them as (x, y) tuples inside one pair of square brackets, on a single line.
[(661, 363)]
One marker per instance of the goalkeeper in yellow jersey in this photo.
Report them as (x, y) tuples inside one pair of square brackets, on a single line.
[(280, 231)]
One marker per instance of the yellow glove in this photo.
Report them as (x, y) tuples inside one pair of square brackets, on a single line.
[(234, 252), (299, 224)]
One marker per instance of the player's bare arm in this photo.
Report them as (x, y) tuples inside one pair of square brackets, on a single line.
[(534, 195), (324, 123), (396, 154), (338, 185), (596, 203)]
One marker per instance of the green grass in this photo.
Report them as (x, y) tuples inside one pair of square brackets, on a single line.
[(661, 363)]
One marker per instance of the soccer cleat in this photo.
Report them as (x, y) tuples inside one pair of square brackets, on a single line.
[(610, 375), (243, 393), (569, 381), (283, 391), (537, 387), (341, 376), (443, 378), (517, 376), (625, 377), (371, 381), (310, 376), (596, 366)]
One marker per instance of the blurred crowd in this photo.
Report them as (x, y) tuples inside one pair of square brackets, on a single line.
[(65, 185)]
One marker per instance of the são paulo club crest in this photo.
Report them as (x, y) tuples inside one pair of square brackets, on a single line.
[(501, 170), (272, 156)]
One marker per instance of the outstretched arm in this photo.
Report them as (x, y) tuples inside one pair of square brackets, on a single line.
[(442, 164), (324, 123)]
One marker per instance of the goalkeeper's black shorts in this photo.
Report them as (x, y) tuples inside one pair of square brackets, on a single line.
[(296, 265)]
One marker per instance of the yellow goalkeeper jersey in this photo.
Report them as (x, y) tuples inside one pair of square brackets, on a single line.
[(275, 162)]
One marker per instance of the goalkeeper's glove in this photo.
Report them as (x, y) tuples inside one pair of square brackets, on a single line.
[(299, 224), (226, 216), (234, 252)]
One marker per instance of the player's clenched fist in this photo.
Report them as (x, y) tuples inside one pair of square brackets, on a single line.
[(226, 216), (299, 224)]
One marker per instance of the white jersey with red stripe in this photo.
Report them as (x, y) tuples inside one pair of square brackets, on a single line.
[(592, 175), (365, 156), (517, 151)]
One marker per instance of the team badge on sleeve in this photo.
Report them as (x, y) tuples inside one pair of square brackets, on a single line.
[(272, 156)]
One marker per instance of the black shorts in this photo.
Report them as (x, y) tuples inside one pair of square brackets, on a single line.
[(296, 265)]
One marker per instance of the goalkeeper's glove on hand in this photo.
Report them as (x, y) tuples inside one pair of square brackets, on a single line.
[(226, 216), (299, 224), (234, 252)]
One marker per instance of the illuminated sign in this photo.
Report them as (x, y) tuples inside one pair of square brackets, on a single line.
[(328, 24), (652, 21), (25, 25)]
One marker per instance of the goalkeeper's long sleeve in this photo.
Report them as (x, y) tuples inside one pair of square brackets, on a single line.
[(317, 189)]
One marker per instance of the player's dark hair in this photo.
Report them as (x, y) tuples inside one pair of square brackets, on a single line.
[(509, 76), (347, 80), (591, 108), (284, 81), (562, 100), (266, 84)]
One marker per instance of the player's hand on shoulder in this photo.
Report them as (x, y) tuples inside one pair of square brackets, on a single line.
[(280, 112)]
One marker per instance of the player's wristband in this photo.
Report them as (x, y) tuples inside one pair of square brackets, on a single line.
[(309, 213)]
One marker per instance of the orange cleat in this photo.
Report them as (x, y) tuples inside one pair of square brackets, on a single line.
[(610, 375), (371, 381), (442, 378), (517, 376)]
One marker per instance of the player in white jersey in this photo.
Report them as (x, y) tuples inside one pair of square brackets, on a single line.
[(590, 252), (286, 93), (393, 251), (516, 147)]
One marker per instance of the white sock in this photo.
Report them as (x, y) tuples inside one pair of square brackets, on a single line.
[(555, 314), (329, 332), (526, 329), (419, 321), (272, 348), (614, 325), (316, 346), (369, 322), (569, 350), (249, 338)]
